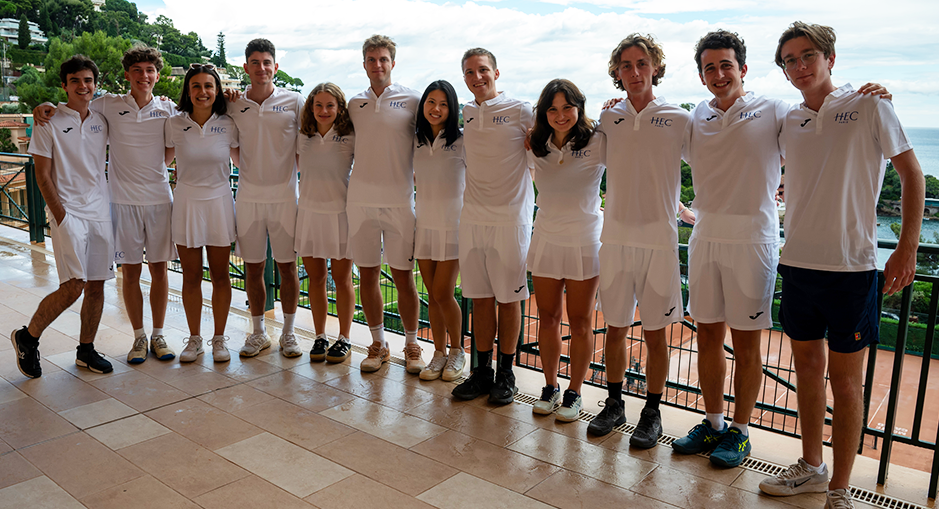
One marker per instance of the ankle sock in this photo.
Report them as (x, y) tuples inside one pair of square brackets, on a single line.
[(484, 359), (86, 347), (716, 420), (653, 399), (506, 360), (139, 332), (744, 428), (378, 334), (615, 390), (258, 323), (289, 320), (156, 332), (410, 337)]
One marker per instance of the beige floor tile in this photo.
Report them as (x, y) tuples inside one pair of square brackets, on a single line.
[(241, 369), (294, 424), (383, 422), (5, 447), (37, 493), (522, 412), (25, 422), (66, 362), (139, 391), (322, 371), (202, 383), (506, 468), (235, 398), (99, 412), (60, 391), (666, 456), (15, 469), (686, 490), (453, 494), (166, 371), (80, 464), (9, 392), (389, 464), (183, 465), (588, 459), (203, 424), (127, 432), (301, 391), (251, 492), (290, 467), (383, 390), (360, 491), (141, 493), (570, 490), (749, 480), (474, 421)]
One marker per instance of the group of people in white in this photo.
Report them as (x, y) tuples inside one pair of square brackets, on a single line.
[(354, 202)]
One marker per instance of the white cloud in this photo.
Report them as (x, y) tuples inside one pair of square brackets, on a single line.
[(321, 41)]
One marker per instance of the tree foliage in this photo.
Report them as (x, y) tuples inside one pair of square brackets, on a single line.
[(6, 141), (22, 37), (282, 79), (219, 58)]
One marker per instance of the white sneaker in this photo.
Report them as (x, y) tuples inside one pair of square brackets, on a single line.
[(254, 344), (550, 395), (138, 353), (569, 411), (412, 354), (435, 367), (289, 346), (456, 361), (220, 351), (192, 350), (839, 499), (159, 348), (377, 355), (798, 478)]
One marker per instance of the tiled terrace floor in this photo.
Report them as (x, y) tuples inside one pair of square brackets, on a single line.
[(276, 432)]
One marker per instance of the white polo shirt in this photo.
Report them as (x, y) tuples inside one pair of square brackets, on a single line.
[(568, 200), (267, 133), (499, 190), (441, 180), (77, 151), (383, 172), (203, 153), (735, 165), (643, 177), (136, 169), (325, 165), (834, 172)]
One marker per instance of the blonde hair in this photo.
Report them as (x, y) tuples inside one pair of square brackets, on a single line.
[(379, 41), (821, 36), (645, 43)]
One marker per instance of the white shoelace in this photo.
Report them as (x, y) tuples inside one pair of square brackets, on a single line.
[(437, 363), (452, 361), (255, 340)]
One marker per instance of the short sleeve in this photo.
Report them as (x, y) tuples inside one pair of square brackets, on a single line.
[(782, 111), (41, 143), (526, 117), (99, 105), (887, 131), (234, 142), (300, 105), (168, 141), (602, 140)]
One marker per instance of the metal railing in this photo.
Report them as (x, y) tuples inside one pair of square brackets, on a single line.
[(21, 203)]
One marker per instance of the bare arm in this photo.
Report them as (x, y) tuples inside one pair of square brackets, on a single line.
[(47, 187), (901, 266), (876, 89), (169, 154), (236, 156), (43, 113)]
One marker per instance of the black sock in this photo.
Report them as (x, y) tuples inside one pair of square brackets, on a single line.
[(86, 347), (29, 337), (484, 359), (615, 390), (652, 400), (506, 360)]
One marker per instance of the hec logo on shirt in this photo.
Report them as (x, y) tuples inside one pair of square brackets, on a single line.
[(122, 113), (155, 114), (118, 255), (661, 122), (340, 139), (398, 104), (712, 117), (246, 109), (449, 148), (280, 109), (97, 128), (580, 154), (500, 120), (747, 115), (846, 116), (218, 129), (617, 121)]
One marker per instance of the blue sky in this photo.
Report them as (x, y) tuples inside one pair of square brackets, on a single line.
[(535, 41)]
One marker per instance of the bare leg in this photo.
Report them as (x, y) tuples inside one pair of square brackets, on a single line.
[(712, 365), (549, 294), (484, 323), (845, 372), (92, 305), (510, 323), (748, 372), (254, 287), (190, 258), (615, 349), (289, 286), (657, 363), (581, 296), (370, 293), (54, 305), (438, 326), (407, 297), (133, 297), (345, 294), (221, 285), (319, 301), (809, 358), (159, 293), (443, 287)]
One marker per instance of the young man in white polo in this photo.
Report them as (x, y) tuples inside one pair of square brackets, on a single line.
[(267, 118), (141, 199), (495, 225), (639, 252), (69, 153), (836, 143), (380, 203)]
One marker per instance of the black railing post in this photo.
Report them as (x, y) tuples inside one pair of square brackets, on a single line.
[(270, 268), (894, 395), (35, 205), (521, 333)]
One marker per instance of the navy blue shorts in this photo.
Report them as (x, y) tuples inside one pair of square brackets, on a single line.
[(839, 305)]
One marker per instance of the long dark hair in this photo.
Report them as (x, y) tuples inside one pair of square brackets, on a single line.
[(451, 128), (219, 107), (580, 133)]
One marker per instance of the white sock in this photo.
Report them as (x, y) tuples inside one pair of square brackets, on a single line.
[(716, 420), (819, 469), (218, 337), (410, 337), (744, 428), (156, 332), (342, 338), (288, 323), (139, 332), (378, 334), (258, 323)]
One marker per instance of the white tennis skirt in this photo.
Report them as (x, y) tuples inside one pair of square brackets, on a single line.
[(201, 222), (436, 245), (322, 235), (578, 263)]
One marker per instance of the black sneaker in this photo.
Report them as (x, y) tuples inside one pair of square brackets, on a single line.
[(649, 429), (478, 383), (612, 415), (340, 350), (504, 390), (87, 357), (27, 353), (320, 345)]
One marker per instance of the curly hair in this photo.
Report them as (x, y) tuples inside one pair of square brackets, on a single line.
[(646, 43), (721, 39), (342, 125), (142, 53)]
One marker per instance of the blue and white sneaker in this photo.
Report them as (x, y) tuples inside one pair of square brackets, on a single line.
[(700, 439), (733, 448)]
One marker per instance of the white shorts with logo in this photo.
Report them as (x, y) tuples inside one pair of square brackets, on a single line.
[(649, 276), (378, 231), (203, 222), (493, 262), (83, 249), (732, 283), (321, 235), (555, 261), (437, 245), (255, 223), (139, 228)]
